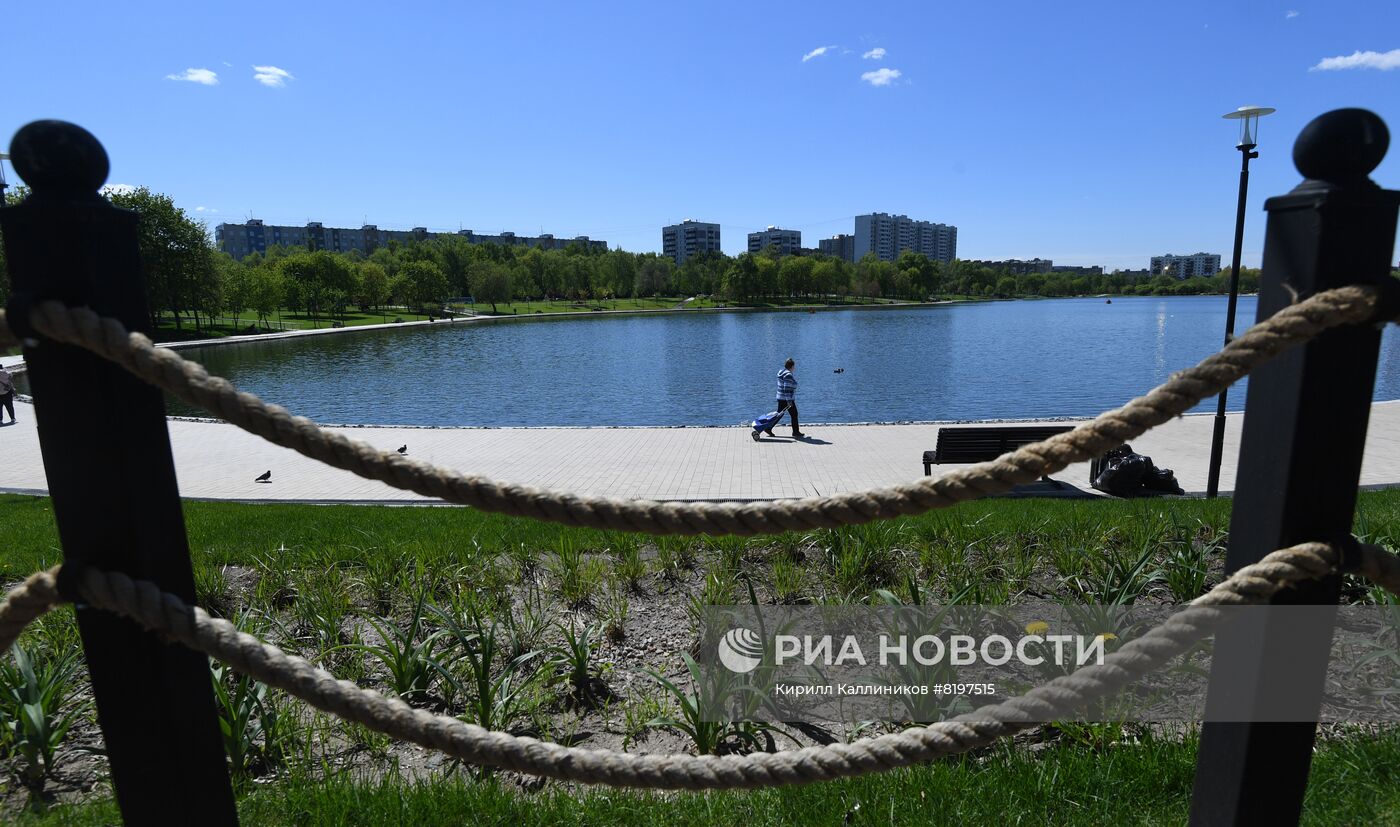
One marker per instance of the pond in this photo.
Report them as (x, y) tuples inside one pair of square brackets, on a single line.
[(990, 360)]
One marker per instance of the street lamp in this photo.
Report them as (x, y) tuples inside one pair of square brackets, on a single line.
[(1248, 116)]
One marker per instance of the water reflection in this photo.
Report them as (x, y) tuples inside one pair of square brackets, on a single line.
[(1058, 357)]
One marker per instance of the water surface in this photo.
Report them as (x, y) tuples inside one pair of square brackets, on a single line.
[(1013, 359)]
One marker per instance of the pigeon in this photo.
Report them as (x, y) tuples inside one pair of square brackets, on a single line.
[(403, 449), (266, 477)]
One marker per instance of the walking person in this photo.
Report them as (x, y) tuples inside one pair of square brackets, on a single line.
[(7, 395), (787, 401)]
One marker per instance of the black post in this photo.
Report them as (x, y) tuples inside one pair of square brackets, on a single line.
[(1217, 443), (112, 478), (1300, 461)]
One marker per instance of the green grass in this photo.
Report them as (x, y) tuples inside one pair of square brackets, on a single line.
[(304, 536), (322, 573), (1353, 781), (235, 324)]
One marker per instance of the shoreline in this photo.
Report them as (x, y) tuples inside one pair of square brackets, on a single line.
[(219, 461)]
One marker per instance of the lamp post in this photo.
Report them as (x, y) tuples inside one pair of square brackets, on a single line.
[(1248, 116)]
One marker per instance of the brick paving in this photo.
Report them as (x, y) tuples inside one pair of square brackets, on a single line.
[(218, 461)]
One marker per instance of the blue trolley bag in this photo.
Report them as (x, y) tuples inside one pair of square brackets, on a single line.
[(766, 422)]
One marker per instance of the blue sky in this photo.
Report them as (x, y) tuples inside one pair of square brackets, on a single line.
[(1089, 133)]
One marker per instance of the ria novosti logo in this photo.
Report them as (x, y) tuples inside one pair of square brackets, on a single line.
[(740, 650)]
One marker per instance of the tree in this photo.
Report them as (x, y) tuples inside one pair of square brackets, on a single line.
[(425, 284), (653, 277), (266, 291), (374, 285), (795, 275), (175, 252), (741, 279), (453, 255), (233, 281), (492, 284), (319, 280)]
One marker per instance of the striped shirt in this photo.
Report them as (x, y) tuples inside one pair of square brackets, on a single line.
[(787, 385)]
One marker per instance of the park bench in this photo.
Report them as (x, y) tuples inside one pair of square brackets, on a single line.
[(980, 443)]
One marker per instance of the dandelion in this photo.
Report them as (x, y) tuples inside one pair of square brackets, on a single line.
[(1036, 627)]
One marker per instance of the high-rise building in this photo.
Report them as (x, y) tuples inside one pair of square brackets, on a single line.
[(688, 238), (840, 246), (787, 242), (1185, 267), (889, 235), (239, 240)]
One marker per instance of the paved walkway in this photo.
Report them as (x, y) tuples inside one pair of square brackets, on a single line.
[(218, 461)]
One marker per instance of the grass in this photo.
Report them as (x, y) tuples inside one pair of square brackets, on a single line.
[(237, 324), (513, 623), (289, 537), (1353, 781)]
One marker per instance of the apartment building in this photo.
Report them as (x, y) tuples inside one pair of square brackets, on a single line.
[(786, 242), (840, 246), (689, 238), (253, 236), (1185, 267), (889, 235)]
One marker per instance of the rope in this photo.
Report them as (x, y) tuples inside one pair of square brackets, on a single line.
[(166, 614), (26, 603), (190, 382)]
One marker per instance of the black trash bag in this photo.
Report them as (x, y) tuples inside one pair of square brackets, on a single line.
[(1126, 474), (1162, 480)]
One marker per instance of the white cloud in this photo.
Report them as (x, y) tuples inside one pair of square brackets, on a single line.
[(205, 209), (118, 189), (1290, 14), (271, 75), (817, 52), (877, 53), (1361, 60), (202, 76), (881, 77)]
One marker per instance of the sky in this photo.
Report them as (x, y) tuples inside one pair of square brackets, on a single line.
[(1083, 132)]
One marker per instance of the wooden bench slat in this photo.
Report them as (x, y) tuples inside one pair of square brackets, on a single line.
[(962, 444)]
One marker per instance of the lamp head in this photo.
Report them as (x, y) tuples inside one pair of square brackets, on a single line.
[(1249, 116)]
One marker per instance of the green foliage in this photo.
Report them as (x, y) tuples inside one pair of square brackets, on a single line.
[(489, 682), (374, 285), (175, 253), (408, 655), (574, 655), (421, 283), (696, 715), (257, 729), (37, 707), (491, 284)]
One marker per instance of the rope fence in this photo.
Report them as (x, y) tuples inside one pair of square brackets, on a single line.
[(190, 382), (167, 615)]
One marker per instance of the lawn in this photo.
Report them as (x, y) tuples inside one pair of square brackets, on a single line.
[(580, 618), (234, 324)]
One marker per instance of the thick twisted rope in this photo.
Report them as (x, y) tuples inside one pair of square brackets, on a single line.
[(190, 382), (26, 603), (166, 614)]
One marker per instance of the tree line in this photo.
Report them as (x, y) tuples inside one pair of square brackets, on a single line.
[(191, 281)]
